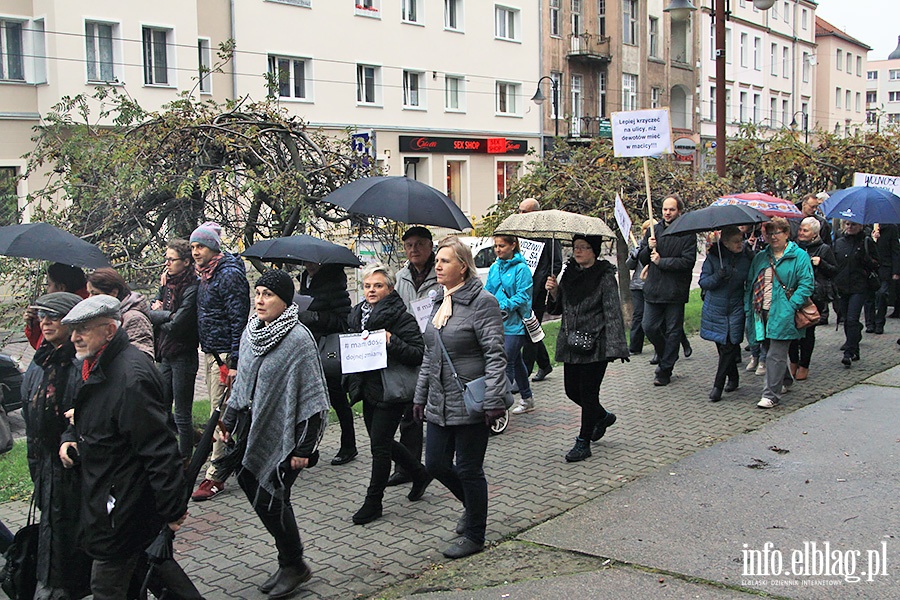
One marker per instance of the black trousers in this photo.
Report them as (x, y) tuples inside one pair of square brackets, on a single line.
[(637, 316), (412, 436), (338, 398), (381, 423), (801, 350), (276, 514), (729, 355), (582, 383), (664, 326)]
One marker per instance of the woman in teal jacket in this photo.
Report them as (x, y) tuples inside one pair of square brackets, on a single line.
[(780, 280), (509, 280)]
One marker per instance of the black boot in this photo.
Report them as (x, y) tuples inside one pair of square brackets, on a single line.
[(418, 487), (371, 510), (731, 384), (269, 583), (580, 451), (715, 395), (292, 577), (602, 424)]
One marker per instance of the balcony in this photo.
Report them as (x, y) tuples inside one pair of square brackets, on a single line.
[(589, 48), (589, 127)]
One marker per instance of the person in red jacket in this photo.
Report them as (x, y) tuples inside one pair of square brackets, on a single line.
[(60, 278)]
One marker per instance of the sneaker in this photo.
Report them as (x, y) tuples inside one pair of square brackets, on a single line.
[(785, 389), (207, 489), (767, 403), (754, 362), (580, 451), (761, 369), (523, 406)]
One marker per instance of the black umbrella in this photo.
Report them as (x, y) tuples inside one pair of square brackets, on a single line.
[(46, 242), (715, 217), (302, 248), (399, 199)]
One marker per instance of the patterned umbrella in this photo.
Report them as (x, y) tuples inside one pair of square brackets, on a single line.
[(556, 224), (764, 203)]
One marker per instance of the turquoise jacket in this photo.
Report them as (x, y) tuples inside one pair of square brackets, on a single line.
[(511, 283), (796, 272)]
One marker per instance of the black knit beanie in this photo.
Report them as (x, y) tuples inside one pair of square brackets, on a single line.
[(279, 282), (593, 240)]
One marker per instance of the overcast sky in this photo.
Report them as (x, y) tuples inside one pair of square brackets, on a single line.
[(873, 22)]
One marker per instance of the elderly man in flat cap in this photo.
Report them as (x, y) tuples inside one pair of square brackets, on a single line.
[(132, 478), (48, 391)]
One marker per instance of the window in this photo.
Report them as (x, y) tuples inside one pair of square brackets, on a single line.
[(577, 29), (9, 197), (454, 93), (577, 105), (893, 74), (289, 74), (872, 75), (368, 82), (744, 49), (728, 105), (368, 8), (712, 41), (412, 81), (756, 102), (99, 54), (453, 14), (757, 53), (601, 17), (871, 97), (773, 58), (555, 30), (847, 95), (839, 64), (859, 66), (712, 103), (787, 12), (893, 118), (655, 96), (411, 11), (507, 172), (156, 59), (773, 111), (681, 43), (804, 19), (837, 97), (806, 67), (858, 102), (601, 100), (784, 111), (204, 62), (893, 96), (630, 22), (742, 107), (505, 23), (728, 45), (556, 77), (507, 97), (629, 91), (12, 60), (849, 64), (786, 62), (654, 37)]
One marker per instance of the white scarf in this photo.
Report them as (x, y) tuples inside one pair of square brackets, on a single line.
[(265, 337), (445, 311)]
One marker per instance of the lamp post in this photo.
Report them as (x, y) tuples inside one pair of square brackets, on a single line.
[(681, 10), (805, 124), (539, 98)]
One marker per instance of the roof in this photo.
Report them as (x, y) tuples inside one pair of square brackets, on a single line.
[(824, 28)]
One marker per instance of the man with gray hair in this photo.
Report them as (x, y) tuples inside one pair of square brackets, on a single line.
[(123, 434)]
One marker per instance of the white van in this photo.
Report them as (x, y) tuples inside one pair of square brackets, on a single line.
[(483, 252)]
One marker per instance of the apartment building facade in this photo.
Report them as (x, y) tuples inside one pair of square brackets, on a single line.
[(770, 58), (841, 75), (883, 91), (434, 89)]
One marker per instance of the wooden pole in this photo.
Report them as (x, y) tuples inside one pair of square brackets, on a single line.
[(647, 184)]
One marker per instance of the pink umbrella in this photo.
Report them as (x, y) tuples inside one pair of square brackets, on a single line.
[(764, 203)]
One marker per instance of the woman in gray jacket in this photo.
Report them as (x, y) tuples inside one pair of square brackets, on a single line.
[(468, 323)]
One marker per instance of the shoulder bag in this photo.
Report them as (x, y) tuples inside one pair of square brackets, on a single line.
[(473, 392), (6, 436), (808, 314), (580, 341), (330, 354), (19, 577)]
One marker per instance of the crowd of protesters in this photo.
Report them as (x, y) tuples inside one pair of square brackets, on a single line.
[(110, 433)]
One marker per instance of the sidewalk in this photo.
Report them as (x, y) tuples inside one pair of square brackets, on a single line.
[(227, 553)]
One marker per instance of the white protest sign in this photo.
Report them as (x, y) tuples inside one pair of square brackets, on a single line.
[(366, 351), (531, 252), (884, 182), (641, 132), (422, 311), (622, 218)]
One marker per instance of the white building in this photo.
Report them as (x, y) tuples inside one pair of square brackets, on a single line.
[(840, 81), (883, 90), (770, 59), (438, 88)]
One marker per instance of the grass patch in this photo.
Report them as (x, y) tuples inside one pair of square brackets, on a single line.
[(15, 479)]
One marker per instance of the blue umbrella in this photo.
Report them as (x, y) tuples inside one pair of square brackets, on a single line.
[(863, 204)]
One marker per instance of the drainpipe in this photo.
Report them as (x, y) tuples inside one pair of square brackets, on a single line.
[(234, 83)]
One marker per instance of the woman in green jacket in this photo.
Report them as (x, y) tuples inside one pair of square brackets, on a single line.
[(780, 280)]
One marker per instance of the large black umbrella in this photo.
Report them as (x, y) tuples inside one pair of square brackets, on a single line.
[(399, 199), (46, 242), (302, 248), (715, 217)]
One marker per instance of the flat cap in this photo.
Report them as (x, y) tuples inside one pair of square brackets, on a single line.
[(417, 231), (58, 302), (93, 308)]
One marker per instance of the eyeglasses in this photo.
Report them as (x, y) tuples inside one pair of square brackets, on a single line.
[(582, 248), (778, 231), (49, 315)]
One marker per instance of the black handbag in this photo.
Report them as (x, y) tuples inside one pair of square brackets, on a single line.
[(330, 353), (580, 341), (19, 577)]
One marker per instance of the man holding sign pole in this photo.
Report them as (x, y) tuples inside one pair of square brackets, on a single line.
[(670, 261)]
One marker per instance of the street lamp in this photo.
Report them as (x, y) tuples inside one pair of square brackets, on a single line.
[(805, 124), (539, 98)]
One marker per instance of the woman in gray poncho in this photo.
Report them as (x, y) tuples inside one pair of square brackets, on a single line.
[(281, 383)]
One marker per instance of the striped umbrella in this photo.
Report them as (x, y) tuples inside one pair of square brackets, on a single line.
[(764, 203)]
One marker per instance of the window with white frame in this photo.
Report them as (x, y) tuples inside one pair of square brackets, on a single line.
[(155, 43), (368, 84), (99, 51), (858, 102), (787, 12), (12, 57), (507, 172), (847, 95), (712, 103), (773, 58), (804, 19), (454, 93), (872, 75), (555, 24), (849, 64), (629, 91), (601, 97), (893, 74), (728, 109), (806, 67), (289, 75), (412, 86), (368, 8), (601, 17), (453, 14), (784, 111), (506, 23), (745, 39), (577, 103), (757, 99), (712, 41), (653, 31), (728, 45), (507, 97), (786, 62), (742, 107), (204, 64), (411, 11), (630, 22), (859, 66), (773, 111), (871, 97), (837, 97), (577, 29), (893, 97), (655, 97), (555, 87), (839, 63), (757, 53)]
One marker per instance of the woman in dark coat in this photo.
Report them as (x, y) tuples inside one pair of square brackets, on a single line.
[(587, 297), (327, 285), (48, 391), (387, 393), (468, 323), (722, 318), (824, 268), (855, 253), (174, 315)]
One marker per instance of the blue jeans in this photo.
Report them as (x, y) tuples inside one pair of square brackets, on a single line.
[(515, 364), (465, 479), (179, 374)]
